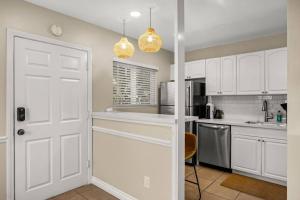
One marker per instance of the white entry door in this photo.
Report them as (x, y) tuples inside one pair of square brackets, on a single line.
[(51, 142)]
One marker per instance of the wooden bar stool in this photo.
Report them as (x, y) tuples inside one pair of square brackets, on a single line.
[(190, 151)]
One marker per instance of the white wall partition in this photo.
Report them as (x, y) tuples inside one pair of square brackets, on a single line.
[(179, 94)]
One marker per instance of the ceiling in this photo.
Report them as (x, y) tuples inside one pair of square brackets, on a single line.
[(208, 22)]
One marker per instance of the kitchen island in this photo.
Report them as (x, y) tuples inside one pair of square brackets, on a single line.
[(135, 154)]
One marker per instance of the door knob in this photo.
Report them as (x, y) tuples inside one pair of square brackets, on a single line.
[(21, 132)]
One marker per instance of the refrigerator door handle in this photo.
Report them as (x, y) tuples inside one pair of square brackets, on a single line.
[(189, 95)]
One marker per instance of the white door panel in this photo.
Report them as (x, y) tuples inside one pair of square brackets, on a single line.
[(51, 83), (39, 163), (70, 155)]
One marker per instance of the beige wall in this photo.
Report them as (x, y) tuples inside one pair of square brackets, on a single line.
[(124, 162), (2, 172), (293, 99), (26, 17), (258, 44)]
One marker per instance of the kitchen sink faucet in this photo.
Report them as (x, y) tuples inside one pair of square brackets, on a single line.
[(266, 110)]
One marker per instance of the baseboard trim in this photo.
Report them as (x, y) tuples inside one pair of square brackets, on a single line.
[(111, 189)]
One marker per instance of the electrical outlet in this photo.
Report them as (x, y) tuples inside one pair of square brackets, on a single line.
[(146, 182)]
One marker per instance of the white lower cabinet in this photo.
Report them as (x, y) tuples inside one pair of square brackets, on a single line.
[(246, 154), (274, 157), (261, 152)]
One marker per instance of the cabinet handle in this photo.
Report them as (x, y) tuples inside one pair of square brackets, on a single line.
[(259, 140)]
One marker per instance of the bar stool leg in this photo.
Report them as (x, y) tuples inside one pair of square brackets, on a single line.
[(194, 165)]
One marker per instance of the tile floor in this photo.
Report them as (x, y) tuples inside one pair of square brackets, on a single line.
[(87, 192), (210, 180), (210, 185)]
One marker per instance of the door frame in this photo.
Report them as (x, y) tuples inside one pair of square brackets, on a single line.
[(11, 34)]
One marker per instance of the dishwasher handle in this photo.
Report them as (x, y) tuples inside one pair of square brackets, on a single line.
[(213, 126)]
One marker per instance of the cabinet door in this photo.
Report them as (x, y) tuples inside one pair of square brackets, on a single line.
[(195, 69), (274, 159), (212, 68), (172, 72), (276, 71), (228, 75), (250, 73), (246, 154)]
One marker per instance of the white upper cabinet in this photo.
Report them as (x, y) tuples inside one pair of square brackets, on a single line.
[(213, 72), (228, 75), (276, 71), (221, 76), (195, 69), (250, 73), (256, 73)]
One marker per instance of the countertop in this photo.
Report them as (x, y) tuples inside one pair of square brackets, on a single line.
[(280, 126), (170, 119), (140, 117)]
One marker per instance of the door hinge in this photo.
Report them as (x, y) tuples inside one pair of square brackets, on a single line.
[(88, 165), (89, 115)]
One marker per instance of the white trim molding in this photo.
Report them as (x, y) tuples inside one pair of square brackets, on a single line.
[(139, 118), (133, 136), (3, 139), (111, 189)]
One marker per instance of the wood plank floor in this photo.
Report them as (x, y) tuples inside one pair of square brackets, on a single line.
[(210, 184)]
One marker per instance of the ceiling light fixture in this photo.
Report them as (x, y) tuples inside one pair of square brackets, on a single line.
[(123, 49), (135, 14), (150, 41)]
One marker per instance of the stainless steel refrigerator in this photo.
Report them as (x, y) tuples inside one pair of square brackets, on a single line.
[(195, 99)]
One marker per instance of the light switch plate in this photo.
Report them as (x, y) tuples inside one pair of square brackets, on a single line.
[(146, 182)]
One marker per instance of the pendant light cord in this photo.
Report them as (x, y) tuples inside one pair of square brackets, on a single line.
[(124, 27), (150, 17)]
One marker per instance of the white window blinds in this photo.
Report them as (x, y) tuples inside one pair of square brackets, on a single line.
[(134, 85)]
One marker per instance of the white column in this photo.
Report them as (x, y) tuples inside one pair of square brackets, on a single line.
[(180, 94)]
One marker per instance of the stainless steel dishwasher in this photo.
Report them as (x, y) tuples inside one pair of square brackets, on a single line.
[(214, 144)]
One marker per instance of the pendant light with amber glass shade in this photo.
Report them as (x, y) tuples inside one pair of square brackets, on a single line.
[(150, 41), (123, 49)]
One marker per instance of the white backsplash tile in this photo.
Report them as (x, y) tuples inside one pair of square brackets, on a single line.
[(248, 107)]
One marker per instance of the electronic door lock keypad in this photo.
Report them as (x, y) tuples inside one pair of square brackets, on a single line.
[(21, 114)]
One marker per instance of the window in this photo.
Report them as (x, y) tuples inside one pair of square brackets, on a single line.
[(134, 84)]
